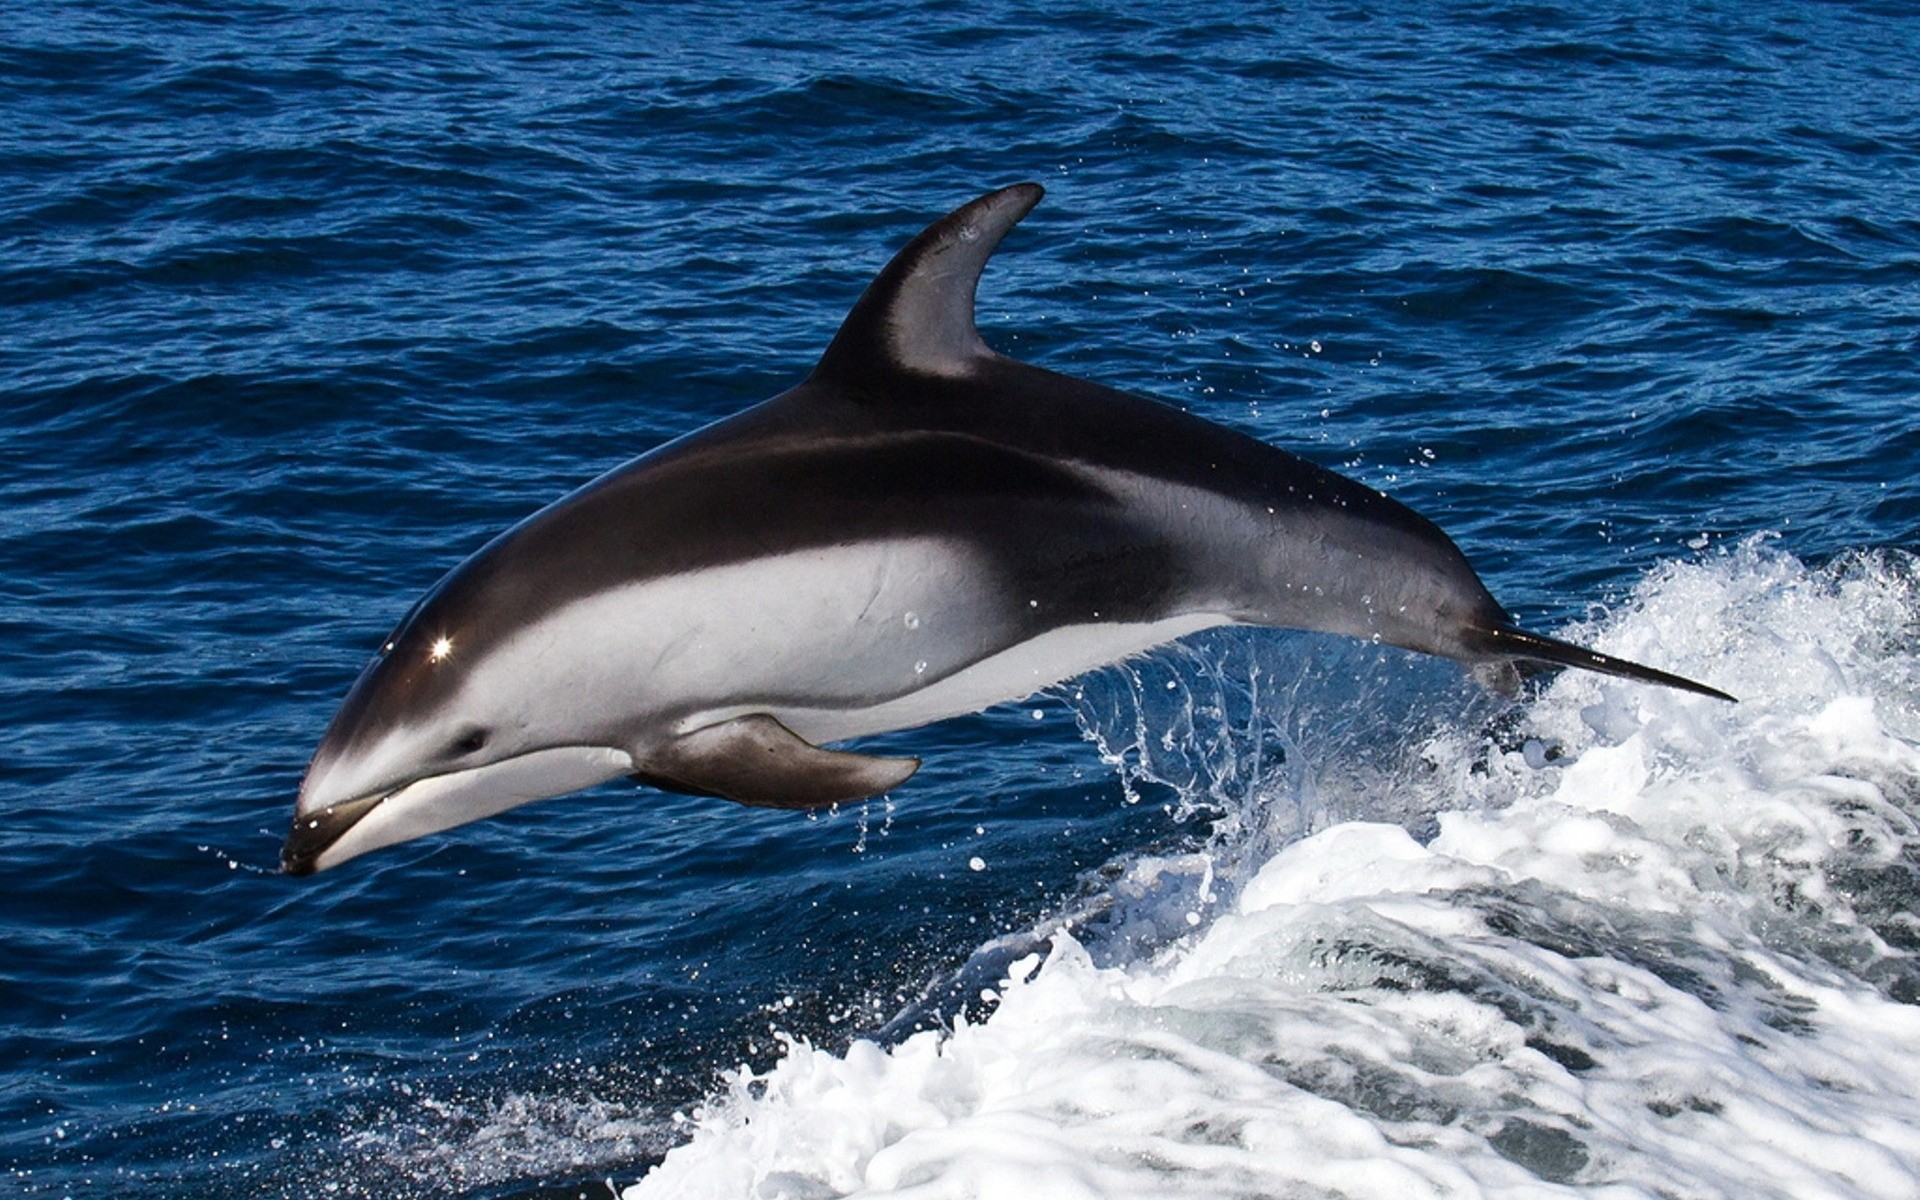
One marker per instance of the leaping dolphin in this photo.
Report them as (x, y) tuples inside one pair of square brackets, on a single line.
[(922, 528)]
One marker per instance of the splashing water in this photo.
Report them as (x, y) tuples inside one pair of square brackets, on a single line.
[(1622, 942)]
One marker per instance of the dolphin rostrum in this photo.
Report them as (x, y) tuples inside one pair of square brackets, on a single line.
[(922, 528)]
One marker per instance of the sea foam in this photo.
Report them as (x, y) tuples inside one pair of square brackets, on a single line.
[(1615, 941)]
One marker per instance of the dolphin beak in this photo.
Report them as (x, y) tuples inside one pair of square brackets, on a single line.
[(314, 833), (327, 835)]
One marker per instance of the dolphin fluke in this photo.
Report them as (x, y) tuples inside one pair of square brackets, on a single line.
[(1507, 642)]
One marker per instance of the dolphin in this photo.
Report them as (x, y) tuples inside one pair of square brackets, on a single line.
[(921, 528)]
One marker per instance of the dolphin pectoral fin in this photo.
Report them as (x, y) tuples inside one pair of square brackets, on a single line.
[(758, 761), (1508, 644)]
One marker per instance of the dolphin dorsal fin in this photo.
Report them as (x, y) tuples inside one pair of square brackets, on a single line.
[(917, 314)]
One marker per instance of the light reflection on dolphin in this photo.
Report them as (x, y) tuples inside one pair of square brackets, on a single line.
[(922, 528)]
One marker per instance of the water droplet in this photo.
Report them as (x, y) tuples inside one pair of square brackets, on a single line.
[(976, 863)]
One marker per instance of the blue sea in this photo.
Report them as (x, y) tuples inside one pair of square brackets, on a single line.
[(301, 304)]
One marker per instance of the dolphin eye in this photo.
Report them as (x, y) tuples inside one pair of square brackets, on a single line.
[(470, 742)]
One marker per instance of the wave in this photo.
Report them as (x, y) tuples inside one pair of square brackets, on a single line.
[(1604, 939)]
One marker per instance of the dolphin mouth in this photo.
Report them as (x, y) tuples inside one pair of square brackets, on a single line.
[(327, 836), (313, 834)]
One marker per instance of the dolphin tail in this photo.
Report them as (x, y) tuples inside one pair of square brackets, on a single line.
[(1506, 643)]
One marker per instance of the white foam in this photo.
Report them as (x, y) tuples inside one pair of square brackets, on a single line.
[(1645, 952), (430, 1144)]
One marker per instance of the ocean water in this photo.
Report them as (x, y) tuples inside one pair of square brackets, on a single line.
[(300, 304)]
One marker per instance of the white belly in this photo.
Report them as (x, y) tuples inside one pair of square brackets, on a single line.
[(1019, 670), (835, 642)]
